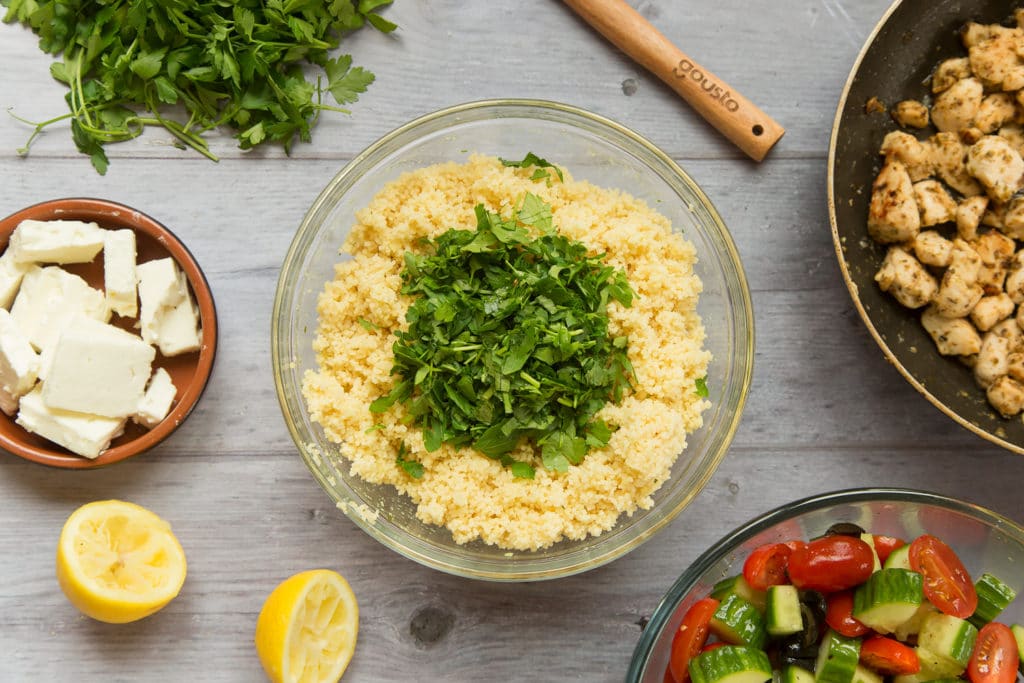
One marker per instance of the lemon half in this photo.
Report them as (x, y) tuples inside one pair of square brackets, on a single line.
[(118, 562), (306, 631)]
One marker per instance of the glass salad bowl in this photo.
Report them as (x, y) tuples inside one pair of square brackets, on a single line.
[(594, 149), (984, 541)]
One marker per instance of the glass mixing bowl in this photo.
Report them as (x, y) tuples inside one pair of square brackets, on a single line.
[(984, 541), (594, 149)]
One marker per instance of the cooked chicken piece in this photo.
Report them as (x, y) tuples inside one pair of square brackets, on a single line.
[(932, 249), (1014, 284), (955, 108), (974, 33), (1018, 16), (999, 167), (949, 72), (991, 310), (905, 278), (1011, 332), (1013, 218), (969, 136), (993, 359), (994, 60), (969, 361), (909, 151), (956, 297), (1014, 134), (996, 110), (911, 113), (968, 216), (949, 157), (934, 203), (1016, 366), (1006, 395), (995, 250), (965, 261), (994, 214), (952, 336), (893, 216)]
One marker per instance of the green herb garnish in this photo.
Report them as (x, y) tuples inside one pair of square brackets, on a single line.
[(236, 64), (701, 385), (412, 468), (508, 339), (531, 160)]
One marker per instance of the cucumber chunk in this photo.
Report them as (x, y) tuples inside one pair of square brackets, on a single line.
[(870, 540), (862, 674), (912, 626), (888, 598), (737, 585), (1018, 634), (838, 658), (738, 622), (792, 673), (947, 642), (899, 558), (731, 664), (782, 614), (993, 597)]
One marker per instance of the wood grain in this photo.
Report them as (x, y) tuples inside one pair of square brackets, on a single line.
[(825, 410)]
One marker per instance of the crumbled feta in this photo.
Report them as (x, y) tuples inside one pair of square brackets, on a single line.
[(159, 287), (82, 433), (156, 402), (56, 241), (51, 296), (119, 276), (19, 364), (177, 329), (97, 368), (11, 273)]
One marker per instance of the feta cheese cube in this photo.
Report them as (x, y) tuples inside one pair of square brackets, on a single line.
[(156, 402), (19, 364), (119, 277), (97, 368), (11, 273), (56, 241), (159, 287), (82, 433), (51, 296), (177, 329)]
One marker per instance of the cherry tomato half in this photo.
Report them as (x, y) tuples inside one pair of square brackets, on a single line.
[(690, 637), (839, 615), (889, 657), (995, 658), (766, 566), (884, 545), (831, 563), (947, 585)]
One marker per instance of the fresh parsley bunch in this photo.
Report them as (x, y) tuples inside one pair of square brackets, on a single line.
[(508, 339), (235, 63)]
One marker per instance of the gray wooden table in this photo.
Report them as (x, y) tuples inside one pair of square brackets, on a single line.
[(825, 410)]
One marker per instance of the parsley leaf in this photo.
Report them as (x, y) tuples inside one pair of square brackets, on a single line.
[(532, 159), (508, 340), (701, 384), (412, 468)]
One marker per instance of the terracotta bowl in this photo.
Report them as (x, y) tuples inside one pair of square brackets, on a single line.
[(189, 371)]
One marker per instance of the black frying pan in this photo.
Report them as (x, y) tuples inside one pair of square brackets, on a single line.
[(912, 37)]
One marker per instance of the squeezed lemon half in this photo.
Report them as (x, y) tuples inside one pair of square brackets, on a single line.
[(306, 631), (118, 562)]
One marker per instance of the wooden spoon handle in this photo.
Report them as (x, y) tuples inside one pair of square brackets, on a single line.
[(731, 113)]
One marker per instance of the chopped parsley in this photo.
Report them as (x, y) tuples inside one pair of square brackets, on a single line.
[(412, 468), (532, 160), (701, 384), (508, 339)]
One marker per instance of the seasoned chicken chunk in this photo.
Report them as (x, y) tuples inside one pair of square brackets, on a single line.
[(909, 151), (905, 278), (911, 113), (956, 107), (965, 261), (949, 157), (1014, 134), (968, 216), (994, 59), (995, 250), (996, 110), (956, 297), (949, 72), (993, 359), (991, 310), (974, 33), (952, 336), (932, 249), (934, 203), (1011, 332), (1014, 284), (1013, 218), (1015, 366), (1006, 395), (893, 216), (994, 162)]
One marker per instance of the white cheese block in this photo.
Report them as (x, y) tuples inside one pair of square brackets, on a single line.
[(56, 241), (82, 433), (19, 364), (97, 368), (156, 402), (49, 297), (177, 329), (11, 273), (159, 287), (119, 276)]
